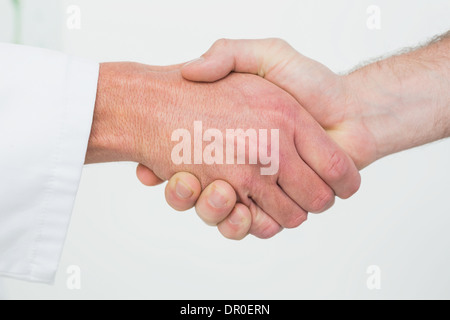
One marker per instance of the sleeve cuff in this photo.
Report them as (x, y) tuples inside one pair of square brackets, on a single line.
[(80, 95), (47, 103)]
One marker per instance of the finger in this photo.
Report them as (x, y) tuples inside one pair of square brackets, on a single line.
[(275, 202), (304, 186), (182, 191), (263, 226), (146, 176), (222, 58), (325, 157), (216, 202), (237, 225)]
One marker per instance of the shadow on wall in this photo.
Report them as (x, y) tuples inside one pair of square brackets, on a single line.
[(31, 22)]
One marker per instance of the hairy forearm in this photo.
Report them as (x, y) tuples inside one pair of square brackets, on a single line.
[(109, 139), (405, 99), (124, 93), (127, 93)]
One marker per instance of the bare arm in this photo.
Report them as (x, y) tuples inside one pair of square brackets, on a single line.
[(404, 100)]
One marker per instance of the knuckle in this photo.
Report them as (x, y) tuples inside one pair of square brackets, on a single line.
[(284, 115), (223, 42), (268, 230), (357, 184), (337, 166), (353, 187), (277, 42), (296, 220), (290, 115), (322, 201), (262, 226)]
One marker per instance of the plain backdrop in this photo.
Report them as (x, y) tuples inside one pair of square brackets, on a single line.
[(129, 243)]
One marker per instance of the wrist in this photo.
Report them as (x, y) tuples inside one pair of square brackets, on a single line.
[(402, 103), (374, 101), (111, 138)]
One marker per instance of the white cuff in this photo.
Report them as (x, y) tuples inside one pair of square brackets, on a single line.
[(47, 101)]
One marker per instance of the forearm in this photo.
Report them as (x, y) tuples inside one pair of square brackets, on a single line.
[(107, 142), (126, 93), (405, 100), (123, 92)]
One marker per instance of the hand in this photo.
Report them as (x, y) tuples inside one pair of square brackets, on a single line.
[(375, 111), (135, 109), (324, 94)]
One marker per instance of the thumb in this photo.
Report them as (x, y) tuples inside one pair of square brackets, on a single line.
[(273, 59), (225, 56), (212, 66)]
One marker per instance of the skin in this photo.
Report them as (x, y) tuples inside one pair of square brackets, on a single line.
[(138, 107), (380, 109)]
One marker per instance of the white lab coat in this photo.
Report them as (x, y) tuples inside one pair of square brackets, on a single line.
[(46, 107)]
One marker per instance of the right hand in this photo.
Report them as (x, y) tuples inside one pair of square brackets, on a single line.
[(308, 177)]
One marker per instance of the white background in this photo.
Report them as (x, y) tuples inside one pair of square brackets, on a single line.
[(130, 244)]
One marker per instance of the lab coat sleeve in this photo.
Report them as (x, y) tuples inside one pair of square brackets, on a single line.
[(46, 108)]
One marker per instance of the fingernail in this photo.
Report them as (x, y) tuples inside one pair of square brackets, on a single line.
[(195, 61), (217, 198), (182, 190), (235, 218)]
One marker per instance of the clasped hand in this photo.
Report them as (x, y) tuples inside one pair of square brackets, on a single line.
[(259, 85)]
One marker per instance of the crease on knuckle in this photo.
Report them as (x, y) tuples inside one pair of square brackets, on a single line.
[(337, 166), (278, 42), (223, 42), (352, 188), (263, 227), (296, 220), (322, 201), (268, 230)]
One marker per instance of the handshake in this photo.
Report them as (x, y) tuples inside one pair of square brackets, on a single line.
[(256, 135)]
